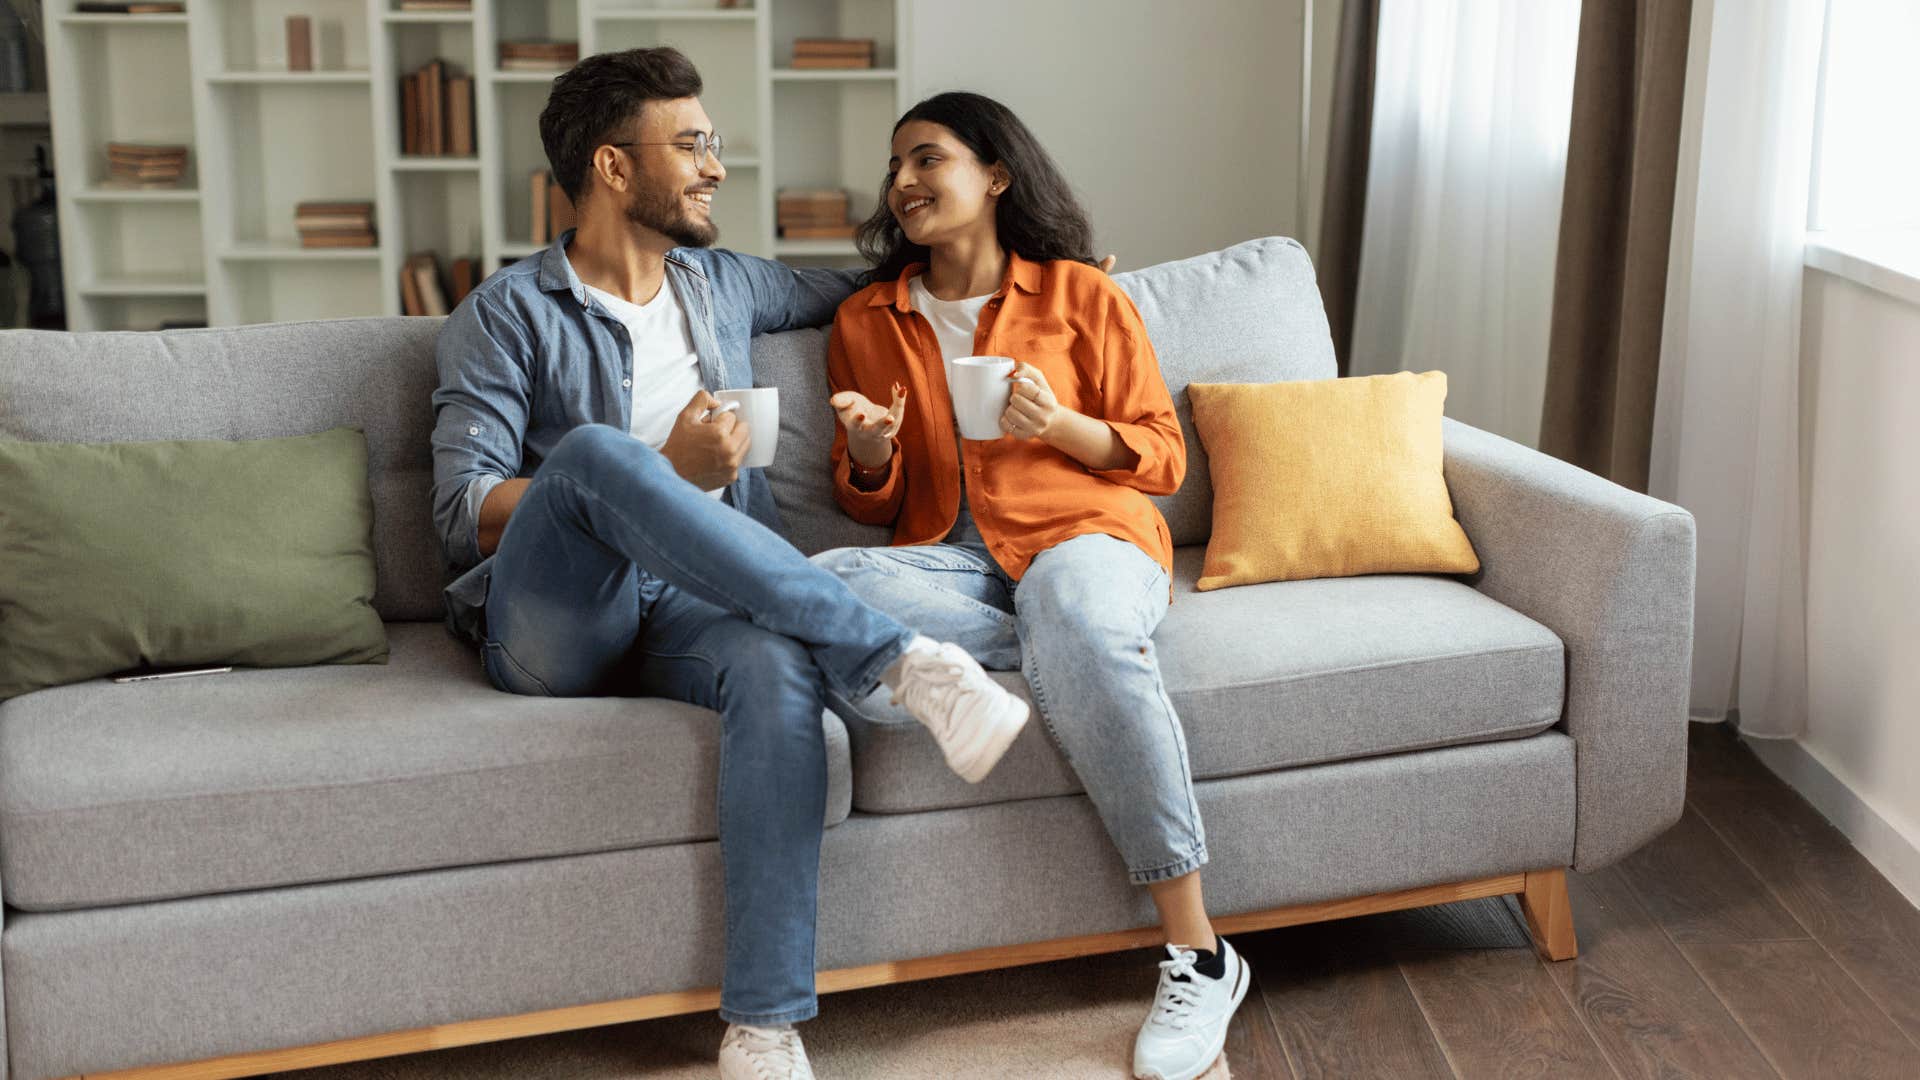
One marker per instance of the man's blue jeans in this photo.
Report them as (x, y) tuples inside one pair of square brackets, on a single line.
[(615, 576)]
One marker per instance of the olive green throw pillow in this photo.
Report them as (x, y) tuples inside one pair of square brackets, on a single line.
[(175, 554)]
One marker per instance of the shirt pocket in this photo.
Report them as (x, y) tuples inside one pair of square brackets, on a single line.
[(1057, 354)]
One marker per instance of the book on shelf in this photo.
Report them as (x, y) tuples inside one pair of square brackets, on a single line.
[(553, 212), (410, 302), (432, 78), (465, 274), (409, 114), (436, 5), (337, 240), (537, 196), (532, 64), (832, 46), (424, 269), (832, 63), (817, 232), (130, 7), (460, 142), (299, 43)]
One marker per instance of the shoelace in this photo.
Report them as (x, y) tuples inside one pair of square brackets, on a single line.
[(929, 685), (1177, 999), (777, 1058)]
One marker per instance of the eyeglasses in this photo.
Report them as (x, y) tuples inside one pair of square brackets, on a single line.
[(704, 146)]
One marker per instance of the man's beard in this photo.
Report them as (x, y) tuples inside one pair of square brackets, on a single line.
[(662, 212)]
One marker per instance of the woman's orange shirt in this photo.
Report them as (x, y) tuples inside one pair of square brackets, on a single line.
[(1073, 323)]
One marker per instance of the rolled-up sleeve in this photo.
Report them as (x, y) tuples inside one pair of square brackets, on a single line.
[(1137, 405), (480, 419), (878, 507)]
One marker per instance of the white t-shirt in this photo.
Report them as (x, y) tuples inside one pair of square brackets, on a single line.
[(954, 322), (666, 370)]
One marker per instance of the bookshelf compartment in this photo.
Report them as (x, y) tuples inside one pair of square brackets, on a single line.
[(251, 35), (140, 241), (437, 212), (835, 135), (872, 19), (130, 87), (138, 312), (291, 290), (291, 145)]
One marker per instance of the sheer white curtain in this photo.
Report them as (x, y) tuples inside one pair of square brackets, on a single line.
[(1726, 439), (1471, 100)]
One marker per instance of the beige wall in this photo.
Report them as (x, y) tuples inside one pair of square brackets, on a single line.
[(1860, 389), (1178, 124)]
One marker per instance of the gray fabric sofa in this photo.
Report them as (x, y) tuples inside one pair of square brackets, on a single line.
[(278, 858)]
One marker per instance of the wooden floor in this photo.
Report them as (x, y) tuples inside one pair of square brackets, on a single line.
[(1751, 940)]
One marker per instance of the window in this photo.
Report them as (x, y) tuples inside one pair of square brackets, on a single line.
[(1867, 145)]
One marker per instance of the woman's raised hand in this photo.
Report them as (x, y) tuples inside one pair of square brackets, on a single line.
[(870, 429)]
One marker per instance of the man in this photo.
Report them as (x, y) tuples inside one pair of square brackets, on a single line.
[(611, 543)]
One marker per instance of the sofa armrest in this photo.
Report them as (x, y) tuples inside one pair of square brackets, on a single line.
[(1611, 571)]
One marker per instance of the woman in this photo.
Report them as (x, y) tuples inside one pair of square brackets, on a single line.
[(1038, 550)]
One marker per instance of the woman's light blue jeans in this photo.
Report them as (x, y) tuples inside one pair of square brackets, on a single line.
[(1080, 626), (615, 577)]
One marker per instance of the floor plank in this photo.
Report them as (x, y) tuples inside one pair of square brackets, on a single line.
[(1699, 891), (1716, 757), (1818, 875), (1253, 1050), (1340, 1006), (1641, 999), (1811, 1020), (1496, 1012)]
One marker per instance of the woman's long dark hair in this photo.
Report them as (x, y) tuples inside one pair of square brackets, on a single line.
[(1037, 215)]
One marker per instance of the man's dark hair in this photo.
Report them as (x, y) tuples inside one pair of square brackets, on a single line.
[(1037, 216), (598, 100)]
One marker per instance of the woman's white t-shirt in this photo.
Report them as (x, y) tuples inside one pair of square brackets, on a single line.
[(954, 323)]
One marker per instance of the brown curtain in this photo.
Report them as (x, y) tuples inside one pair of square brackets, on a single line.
[(1610, 283), (1349, 139)]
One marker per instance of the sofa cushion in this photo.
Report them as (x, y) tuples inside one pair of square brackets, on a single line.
[(184, 553), (256, 382), (1273, 676), (1248, 313), (115, 793)]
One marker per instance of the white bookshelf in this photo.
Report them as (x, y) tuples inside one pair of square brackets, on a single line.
[(222, 247)]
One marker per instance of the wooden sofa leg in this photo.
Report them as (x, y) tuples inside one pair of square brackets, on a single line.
[(1549, 916)]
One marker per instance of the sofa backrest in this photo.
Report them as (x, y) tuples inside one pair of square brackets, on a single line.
[(1249, 313), (255, 382)]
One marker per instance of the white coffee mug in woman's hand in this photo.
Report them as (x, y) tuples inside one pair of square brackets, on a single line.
[(980, 389), (759, 409)]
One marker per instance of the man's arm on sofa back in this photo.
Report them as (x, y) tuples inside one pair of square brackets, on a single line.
[(1611, 572)]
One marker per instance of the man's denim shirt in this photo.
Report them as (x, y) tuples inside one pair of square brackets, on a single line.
[(530, 355)]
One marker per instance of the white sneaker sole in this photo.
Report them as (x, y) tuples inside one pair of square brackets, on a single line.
[(1220, 1044), (975, 762)]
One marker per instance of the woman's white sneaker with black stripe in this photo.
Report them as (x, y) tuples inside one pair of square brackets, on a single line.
[(1187, 1026)]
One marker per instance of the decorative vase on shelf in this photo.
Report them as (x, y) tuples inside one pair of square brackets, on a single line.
[(36, 242)]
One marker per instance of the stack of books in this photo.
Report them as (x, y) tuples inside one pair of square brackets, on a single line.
[(812, 215), (552, 210), (833, 52), (334, 224), (436, 112), (421, 290), (146, 164), (538, 55)]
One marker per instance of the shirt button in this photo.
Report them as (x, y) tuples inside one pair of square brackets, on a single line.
[(626, 382), (473, 431)]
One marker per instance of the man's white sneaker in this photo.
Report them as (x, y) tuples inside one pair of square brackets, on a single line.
[(757, 1053), (1187, 1027), (973, 718)]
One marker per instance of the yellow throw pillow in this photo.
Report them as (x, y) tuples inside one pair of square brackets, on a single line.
[(1328, 478)]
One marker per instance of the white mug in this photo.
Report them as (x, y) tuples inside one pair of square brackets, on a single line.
[(759, 409), (980, 389)]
